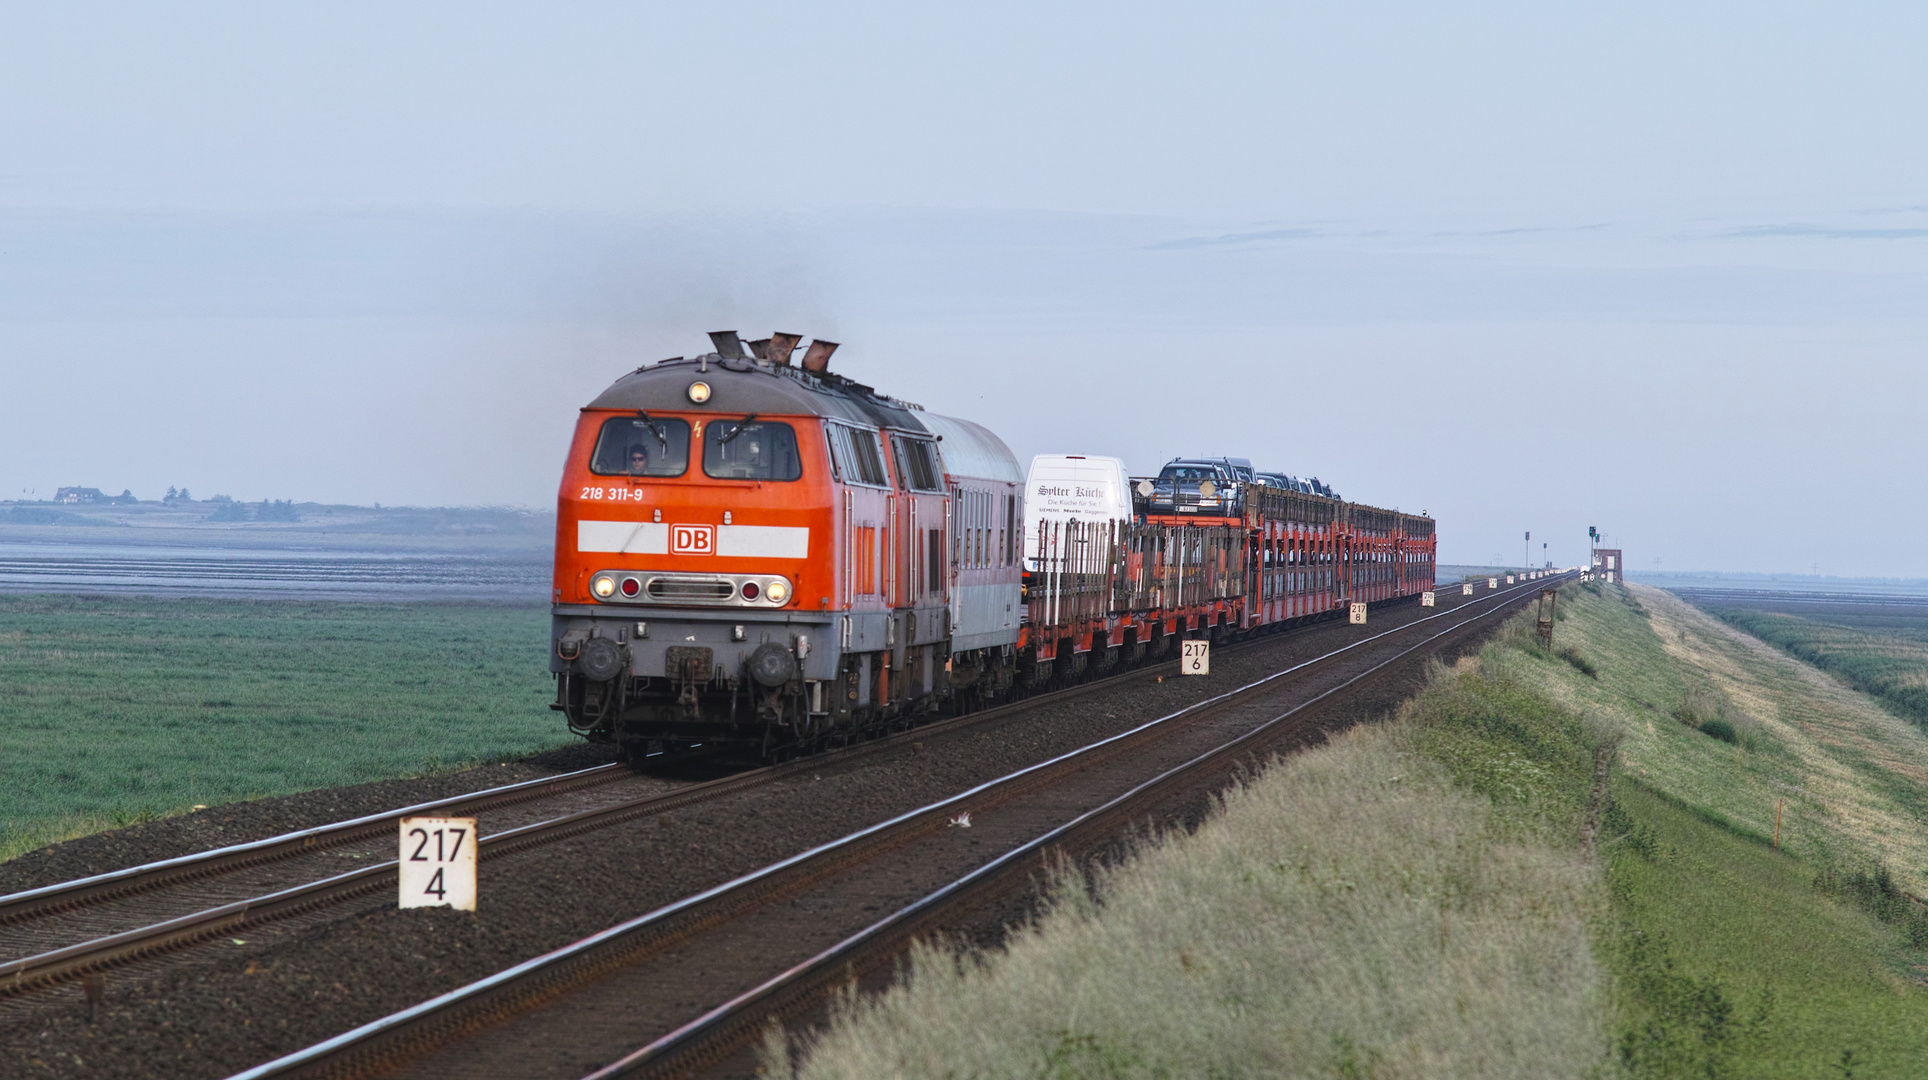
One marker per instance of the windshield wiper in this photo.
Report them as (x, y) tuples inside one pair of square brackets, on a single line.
[(738, 428), (655, 428)]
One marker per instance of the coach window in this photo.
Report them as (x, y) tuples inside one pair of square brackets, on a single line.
[(750, 449), (1011, 531), (635, 446)]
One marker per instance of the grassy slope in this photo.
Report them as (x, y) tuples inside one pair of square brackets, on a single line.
[(113, 709), (1727, 959), (1730, 962), (1851, 776), (1892, 666), (1717, 955)]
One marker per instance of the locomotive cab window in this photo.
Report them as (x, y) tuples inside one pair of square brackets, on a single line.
[(633, 446), (917, 464), (854, 456), (750, 449)]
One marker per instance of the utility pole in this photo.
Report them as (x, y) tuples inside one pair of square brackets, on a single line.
[(1527, 552)]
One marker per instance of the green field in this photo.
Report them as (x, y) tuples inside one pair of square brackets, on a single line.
[(116, 709), (1404, 902), (1889, 660)]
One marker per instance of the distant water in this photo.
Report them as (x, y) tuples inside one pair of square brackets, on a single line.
[(1709, 583), (293, 573)]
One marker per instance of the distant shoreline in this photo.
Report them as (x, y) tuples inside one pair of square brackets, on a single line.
[(1717, 582), (347, 553), (301, 525)]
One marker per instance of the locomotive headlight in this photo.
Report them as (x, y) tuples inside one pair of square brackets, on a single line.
[(604, 586), (699, 392), (777, 592)]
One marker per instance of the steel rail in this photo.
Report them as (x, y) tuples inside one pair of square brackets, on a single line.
[(537, 979), (703, 1040), (117, 884), (30, 973)]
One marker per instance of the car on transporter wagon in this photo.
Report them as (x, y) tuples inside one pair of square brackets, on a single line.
[(1209, 486)]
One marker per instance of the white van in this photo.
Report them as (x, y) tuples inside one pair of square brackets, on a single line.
[(1072, 487)]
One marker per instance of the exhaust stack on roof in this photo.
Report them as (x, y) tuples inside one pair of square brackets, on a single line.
[(781, 346), (728, 345), (817, 358), (760, 348)]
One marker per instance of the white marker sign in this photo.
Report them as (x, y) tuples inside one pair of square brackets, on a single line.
[(1492, 583), (1358, 613), (1426, 599), (438, 863), (1195, 657), (1466, 589)]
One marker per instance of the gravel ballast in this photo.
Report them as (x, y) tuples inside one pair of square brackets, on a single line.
[(258, 819)]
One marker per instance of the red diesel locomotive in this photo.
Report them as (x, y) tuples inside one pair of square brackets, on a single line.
[(770, 557)]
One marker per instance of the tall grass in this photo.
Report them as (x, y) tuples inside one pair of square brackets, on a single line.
[(1350, 912), (116, 710)]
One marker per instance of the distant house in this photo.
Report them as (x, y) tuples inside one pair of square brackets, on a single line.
[(79, 495), (1610, 563)]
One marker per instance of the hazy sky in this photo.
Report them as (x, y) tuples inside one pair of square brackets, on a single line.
[(1526, 266)]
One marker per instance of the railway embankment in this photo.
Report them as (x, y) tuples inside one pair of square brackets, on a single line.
[(228, 1003), (1660, 848)]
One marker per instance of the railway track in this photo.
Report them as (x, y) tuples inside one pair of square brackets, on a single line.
[(774, 941), (89, 924), (63, 932)]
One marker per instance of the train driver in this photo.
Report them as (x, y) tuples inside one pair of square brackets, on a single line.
[(638, 459)]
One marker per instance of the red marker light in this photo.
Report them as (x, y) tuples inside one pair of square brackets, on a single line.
[(750, 590), (631, 586)]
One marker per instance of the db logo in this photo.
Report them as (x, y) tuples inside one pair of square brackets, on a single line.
[(692, 539)]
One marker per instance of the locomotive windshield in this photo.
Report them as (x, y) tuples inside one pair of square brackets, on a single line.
[(633, 446), (750, 449)]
